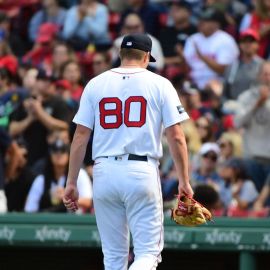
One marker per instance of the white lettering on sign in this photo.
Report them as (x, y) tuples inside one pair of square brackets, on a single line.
[(45, 233), (266, 238), (216, 236), (7, 234), (174, 236)]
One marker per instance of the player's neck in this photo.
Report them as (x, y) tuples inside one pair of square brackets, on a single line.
[(131, 64)]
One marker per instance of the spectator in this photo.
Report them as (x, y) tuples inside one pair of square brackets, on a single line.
[(10, 97), (253, 115), (207, 196), (10, 157), (18, 46), (86, 23), (233, 11), (263, 199), (260, 21), (29, 79), (71, 72), (226, 149), (191, 97), (63, 90), (61, 54), (205, 129), (41, 112), (18, 181), (232, 134), (243, 190), (206, 172), (132, 25), (173, 37), (148, 12), (51, 12), (210, 51), (243, 72), (47, 190), (7, 59), (101, 62), (62, 135), (44, 43)]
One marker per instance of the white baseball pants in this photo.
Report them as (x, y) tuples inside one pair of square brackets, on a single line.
[(127, 198)]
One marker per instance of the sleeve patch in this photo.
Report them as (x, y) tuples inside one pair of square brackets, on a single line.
[(180, 109)]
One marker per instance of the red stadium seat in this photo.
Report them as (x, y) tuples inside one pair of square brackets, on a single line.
[(236, 212)]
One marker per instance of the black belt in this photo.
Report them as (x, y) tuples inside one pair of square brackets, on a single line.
[(135, 157)]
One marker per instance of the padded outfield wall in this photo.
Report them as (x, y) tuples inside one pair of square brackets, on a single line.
[(66, 241)]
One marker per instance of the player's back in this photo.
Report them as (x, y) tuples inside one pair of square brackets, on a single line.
[(128, 106)]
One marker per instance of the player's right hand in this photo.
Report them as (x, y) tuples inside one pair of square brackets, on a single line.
[(185, 189), (71, 197)]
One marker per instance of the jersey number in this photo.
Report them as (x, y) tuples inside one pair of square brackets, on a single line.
[(117, 112)]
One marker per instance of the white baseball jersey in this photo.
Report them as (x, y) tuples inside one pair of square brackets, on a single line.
[(128, 108)]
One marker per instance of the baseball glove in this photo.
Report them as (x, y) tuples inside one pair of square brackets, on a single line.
[(188, 212)]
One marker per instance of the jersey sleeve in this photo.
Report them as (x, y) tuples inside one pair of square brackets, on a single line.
[(85, 115), (172, 110)]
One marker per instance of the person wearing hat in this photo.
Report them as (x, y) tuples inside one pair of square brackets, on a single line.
[(51, 12), (43, 48), (209, 51), (128, 107), (47, 189), (243, 72), (207, 171)]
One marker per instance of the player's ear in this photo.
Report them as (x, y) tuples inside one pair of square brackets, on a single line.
[(146, 57)]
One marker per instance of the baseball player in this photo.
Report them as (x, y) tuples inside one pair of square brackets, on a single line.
[(128, 107)]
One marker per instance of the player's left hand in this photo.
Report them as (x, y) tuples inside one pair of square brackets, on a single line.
[(189, 212), (71, 197), (185, 189)]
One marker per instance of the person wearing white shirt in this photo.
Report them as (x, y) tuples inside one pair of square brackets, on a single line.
[(209, 51), (47, 190)]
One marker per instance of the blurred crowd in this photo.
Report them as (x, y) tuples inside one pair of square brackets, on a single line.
[(215, 52)]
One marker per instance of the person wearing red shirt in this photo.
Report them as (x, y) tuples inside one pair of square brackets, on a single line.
[(72, 73), (43, 47), (260, 21)]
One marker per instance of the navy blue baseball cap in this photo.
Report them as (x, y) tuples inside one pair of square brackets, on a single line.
[(140, 42)]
